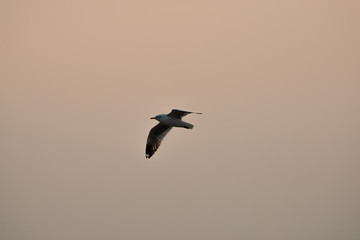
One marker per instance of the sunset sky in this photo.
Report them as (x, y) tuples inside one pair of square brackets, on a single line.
[(275, 154)]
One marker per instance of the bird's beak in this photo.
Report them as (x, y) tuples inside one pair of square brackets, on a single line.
[(152, 118)]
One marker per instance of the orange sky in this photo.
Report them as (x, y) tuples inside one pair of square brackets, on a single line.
[(275, 154)]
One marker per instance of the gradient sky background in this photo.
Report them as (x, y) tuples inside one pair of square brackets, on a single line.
[(275, 154)]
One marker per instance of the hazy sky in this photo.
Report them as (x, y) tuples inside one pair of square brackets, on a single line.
[(274, 156)]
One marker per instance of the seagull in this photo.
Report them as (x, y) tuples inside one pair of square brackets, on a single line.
[(166, 123)]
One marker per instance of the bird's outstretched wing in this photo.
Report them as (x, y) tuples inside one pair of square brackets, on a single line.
[(176, 113), (156, 135)]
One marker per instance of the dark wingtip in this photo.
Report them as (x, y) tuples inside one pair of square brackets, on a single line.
[(148, 152)]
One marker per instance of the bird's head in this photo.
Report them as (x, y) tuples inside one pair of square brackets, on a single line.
[(157, 117)]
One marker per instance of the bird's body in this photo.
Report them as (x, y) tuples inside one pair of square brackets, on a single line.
[(166, 123), (173, 122)]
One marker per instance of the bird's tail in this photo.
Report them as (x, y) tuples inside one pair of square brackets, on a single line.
[(188, 125)]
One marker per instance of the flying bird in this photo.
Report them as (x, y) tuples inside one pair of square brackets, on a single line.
[(166, 123)]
